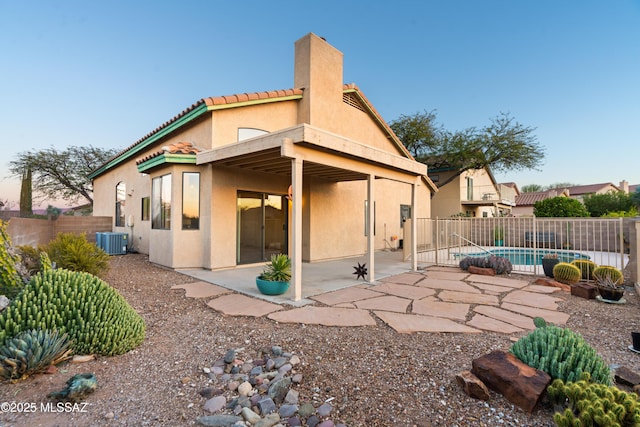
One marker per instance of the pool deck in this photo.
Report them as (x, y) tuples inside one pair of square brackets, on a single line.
[(452, 256)]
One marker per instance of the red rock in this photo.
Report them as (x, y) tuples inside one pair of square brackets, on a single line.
[(472, 385), (483, 271), (546, 281), (626, 376), (51, 369), (518, 382)]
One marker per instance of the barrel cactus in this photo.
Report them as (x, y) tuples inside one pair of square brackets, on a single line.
[(586, 267), (613, 273), (566, 273), (561, 353), (97, 319), (31, 352)]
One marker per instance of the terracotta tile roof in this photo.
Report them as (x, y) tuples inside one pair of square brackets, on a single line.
[(175, 148), (254, 96), (587, 189), (528, 199)]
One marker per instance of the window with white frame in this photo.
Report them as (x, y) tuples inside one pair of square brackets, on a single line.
[(161, 202)]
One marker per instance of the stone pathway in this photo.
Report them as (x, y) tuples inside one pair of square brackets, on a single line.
[(435, 300)]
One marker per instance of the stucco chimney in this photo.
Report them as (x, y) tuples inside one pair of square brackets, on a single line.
[(624, 186), (318, 70)]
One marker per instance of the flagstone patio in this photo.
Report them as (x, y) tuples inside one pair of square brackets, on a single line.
[(434, 300)]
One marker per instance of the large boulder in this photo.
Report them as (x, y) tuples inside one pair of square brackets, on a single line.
[(518, 382)]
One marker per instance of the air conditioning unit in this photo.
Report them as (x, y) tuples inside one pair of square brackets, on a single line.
[(112, 243)]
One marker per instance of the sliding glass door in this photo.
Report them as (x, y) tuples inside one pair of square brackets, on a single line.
[(261, 226)]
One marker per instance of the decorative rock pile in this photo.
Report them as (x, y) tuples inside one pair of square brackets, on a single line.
[(261, 391)]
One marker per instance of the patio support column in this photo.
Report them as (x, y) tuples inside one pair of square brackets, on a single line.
[(296, 227), (370, 227), (414, 228)]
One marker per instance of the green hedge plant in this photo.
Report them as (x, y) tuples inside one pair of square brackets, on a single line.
[(97, 319)]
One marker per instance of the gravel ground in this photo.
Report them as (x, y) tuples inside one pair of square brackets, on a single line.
[(376, 376)]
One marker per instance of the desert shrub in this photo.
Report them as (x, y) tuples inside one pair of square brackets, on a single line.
[(561, 353), (591, 404), (12, 273), (95, 316), (31, 352), (566, 273), (74, 252), (500, 264)]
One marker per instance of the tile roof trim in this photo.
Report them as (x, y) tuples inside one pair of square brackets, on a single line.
[(191, 113), (155, 161)]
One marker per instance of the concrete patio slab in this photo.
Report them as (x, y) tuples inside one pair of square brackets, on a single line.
[(550, 316), (468, 298), (489, 324), (409, 323), (532, 299), (405, 291), (241, 305), (346, 295), (386, 303), (496, 280), (446, 275), (201, 289), (450, 285), (524, 322), (450, 310), (326, 316), (404, 279)]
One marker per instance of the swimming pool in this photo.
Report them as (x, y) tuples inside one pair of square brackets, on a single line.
[(525, 256)]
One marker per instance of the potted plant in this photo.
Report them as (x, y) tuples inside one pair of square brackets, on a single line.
[(498, 235), (275, 278), (548, 262), (609, 282)]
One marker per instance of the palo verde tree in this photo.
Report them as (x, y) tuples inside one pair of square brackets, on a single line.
[(62, 174), (503, 145)]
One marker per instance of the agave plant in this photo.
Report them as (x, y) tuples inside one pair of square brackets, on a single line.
[(278, 269), (31, 352)]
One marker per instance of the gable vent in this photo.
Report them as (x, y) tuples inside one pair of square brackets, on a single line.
[(352, 100)]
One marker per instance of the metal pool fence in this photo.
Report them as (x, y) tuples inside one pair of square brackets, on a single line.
[(524, 240)]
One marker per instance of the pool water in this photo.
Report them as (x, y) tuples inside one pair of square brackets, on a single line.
[(525, 256)]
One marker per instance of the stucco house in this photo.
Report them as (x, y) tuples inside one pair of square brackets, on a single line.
[(525, 201), (474, 193), (312, 171)]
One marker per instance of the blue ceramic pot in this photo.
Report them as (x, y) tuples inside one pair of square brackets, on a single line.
[(268, 287)]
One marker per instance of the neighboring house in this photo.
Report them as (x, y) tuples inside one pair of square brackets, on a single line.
[(474, 193), (578, 192), (312, 171), (525, 201)]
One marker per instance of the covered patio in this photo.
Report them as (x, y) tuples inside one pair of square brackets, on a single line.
[(304, 151), (317, 278)]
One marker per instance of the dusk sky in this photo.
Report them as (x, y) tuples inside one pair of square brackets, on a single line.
[(107, 73)]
